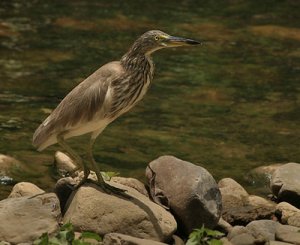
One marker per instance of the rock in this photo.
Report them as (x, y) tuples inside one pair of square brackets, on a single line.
[(243, 239), (4, 243), (77, 235), (279, 243), (239, 208), (26, 219), (8, 166), (131, 182), (121, 239), (7, 163), (64, 164), (189, 190), (287, 233), (65, 186), (285, 183), (294, 220), (224, 226), (79, 176), (265, 208), (286, 210), (266, 171), (232, 193), (259, 201), (245, 214), (236, 230), (177, 240), (288, 214), (63, 189), (263, 229), (225, 241), (260, 177), (25, 189), (92, 210)]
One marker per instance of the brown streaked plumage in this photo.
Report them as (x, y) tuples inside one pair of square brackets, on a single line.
[(102, 97)]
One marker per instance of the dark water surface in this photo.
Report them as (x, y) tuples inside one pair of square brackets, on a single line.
[(230, 105)]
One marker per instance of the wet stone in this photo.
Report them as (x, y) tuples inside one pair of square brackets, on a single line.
[(285, 183), (188, 190)]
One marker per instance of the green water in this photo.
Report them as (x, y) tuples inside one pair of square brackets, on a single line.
[(230, 105)]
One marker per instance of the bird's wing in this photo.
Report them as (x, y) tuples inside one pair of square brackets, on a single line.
[(82, 104)]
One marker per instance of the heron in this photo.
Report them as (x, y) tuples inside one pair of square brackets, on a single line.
[(102, 97)]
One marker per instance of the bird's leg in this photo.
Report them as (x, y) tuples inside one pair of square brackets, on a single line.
[(61, 141), (106, 187)]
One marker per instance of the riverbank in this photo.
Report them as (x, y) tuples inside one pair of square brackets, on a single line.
[(177, 198)]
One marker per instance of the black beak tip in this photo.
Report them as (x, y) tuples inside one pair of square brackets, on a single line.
[(192, 42)]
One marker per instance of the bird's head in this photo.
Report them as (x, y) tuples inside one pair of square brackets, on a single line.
[(155, 39)]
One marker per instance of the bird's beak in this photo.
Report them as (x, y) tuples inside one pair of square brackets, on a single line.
[(180, 41)]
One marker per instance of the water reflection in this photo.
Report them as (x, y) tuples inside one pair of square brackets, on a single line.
[(230, 105)]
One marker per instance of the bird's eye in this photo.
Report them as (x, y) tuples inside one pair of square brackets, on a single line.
[(156, 38)]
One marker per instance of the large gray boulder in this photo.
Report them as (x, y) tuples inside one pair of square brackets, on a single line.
[(24, 219), (90, 209), (188, 190), (285, 183)]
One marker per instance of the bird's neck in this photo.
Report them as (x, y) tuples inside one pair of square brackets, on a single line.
[(133, 61)]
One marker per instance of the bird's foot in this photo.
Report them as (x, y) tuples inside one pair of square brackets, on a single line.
[(107, 188)]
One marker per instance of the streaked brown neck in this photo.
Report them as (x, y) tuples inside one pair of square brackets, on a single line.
[(135, 60)]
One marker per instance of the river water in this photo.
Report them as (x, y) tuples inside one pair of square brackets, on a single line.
[(229, 105)]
